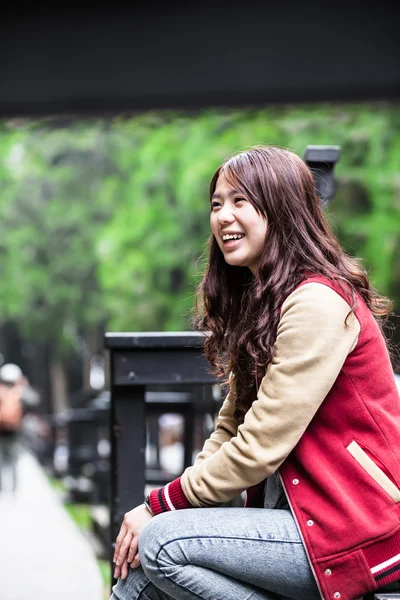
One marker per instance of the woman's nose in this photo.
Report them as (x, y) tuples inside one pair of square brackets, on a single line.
[(225, 215)]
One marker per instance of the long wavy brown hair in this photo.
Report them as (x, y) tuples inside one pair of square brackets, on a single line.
[(240, 311)]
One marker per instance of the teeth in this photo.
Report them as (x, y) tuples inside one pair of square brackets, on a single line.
[(235, 236)]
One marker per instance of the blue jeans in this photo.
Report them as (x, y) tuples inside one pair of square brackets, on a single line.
[(220, 554)]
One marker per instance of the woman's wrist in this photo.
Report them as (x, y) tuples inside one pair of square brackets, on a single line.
[(146, 502)]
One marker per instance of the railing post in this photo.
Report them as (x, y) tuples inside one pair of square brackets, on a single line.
[(141, 362)]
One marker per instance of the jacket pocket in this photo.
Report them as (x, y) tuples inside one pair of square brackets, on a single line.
[(374, 471)]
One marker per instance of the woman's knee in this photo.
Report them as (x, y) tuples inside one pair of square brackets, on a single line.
[(151, 539), (155, 537)]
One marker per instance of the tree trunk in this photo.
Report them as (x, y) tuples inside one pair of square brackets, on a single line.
[(59, 386)]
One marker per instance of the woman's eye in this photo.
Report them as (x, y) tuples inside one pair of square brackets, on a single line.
[(240, 199), (215, 204)]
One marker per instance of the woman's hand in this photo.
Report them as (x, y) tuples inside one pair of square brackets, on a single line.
[(126, 547)]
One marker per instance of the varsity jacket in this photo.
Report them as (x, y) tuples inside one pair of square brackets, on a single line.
[(327, 417)]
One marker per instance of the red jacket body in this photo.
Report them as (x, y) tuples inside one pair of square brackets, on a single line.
[(346, 508)]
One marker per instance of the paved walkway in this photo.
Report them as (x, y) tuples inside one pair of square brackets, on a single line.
[(43, 555)]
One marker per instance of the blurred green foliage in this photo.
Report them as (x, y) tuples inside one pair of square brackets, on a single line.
[(106, 220)]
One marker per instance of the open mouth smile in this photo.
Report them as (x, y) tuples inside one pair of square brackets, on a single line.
[(232, 240)]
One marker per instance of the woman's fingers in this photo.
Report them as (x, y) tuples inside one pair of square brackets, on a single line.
[(124, 569), (135, 563), (133, 549), (124, 547), (121, 571), (118, 541), (117, 572)]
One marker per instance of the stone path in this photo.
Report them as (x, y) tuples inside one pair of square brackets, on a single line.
[(43, 555)]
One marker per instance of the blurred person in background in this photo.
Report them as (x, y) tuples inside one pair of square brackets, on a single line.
[(171, 442), (12, 384), (17, 398)]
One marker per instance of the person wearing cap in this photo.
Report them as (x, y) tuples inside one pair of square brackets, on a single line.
[(12, 383)]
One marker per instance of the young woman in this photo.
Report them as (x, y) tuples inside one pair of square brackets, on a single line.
[(310, 427)]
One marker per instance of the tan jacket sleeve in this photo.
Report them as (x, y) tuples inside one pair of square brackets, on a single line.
[(225, 428), (312, 344)]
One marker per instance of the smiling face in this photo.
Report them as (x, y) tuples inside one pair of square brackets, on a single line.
[(238, 229)]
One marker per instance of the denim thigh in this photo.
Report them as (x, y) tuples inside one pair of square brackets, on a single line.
[(224, 553)]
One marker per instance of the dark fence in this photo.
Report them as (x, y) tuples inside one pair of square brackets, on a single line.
[(151, 374), (130, 421)]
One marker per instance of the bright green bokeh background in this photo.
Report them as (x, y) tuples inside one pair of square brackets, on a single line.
[(105, 220)]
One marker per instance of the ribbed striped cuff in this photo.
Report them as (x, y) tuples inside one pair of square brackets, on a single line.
[(383, 559), (169, 497)]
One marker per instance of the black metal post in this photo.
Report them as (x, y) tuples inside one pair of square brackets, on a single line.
[(143, 362), (128, 443)]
